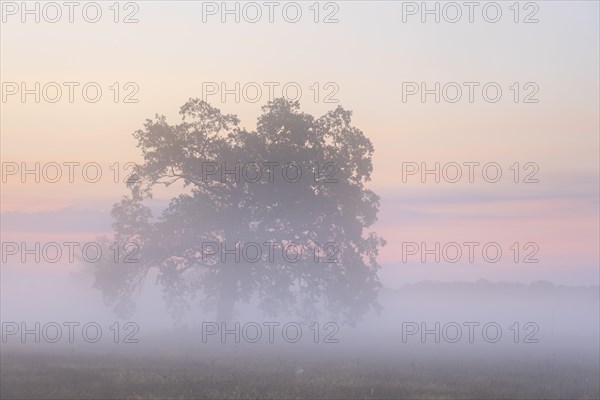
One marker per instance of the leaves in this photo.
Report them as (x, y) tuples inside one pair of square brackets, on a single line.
[(244, 187)]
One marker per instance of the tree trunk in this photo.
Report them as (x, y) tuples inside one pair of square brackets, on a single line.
[(229, 278), (227, 295)]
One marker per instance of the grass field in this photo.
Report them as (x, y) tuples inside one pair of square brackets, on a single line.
[(242, 374)]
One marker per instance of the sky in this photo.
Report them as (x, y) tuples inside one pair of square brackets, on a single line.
[(366, 61)]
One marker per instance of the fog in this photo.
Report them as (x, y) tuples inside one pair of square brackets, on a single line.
[(299, 200), (563, 320), (239, 278)]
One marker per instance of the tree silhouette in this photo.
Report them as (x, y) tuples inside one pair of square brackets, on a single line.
[(236, 187)]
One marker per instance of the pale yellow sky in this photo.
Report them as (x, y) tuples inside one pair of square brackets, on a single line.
[(368, 55)]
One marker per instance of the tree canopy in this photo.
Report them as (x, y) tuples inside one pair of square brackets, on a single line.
[(296, 181)]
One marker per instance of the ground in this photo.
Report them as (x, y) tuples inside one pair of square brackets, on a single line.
[(284, 375)]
